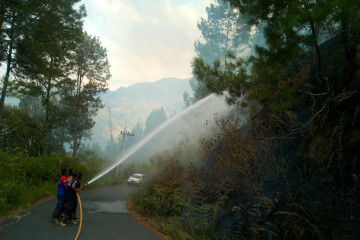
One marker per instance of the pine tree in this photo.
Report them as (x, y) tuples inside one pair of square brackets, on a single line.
[(81, 101), (15, 18), (221, 33), (43, 55), (294, 32), (224, 32)]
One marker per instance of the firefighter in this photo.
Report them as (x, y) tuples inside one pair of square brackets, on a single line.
[(78, 187), (72, 190), (61, 195)]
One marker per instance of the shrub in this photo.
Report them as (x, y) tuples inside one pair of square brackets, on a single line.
[(25, 179)]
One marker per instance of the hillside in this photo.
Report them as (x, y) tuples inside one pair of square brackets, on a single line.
[(129, 105)]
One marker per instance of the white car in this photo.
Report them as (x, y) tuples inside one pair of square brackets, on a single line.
[(135, 179)]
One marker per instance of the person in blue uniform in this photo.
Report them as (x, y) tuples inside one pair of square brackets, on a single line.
[(61, 195), (73, 214), (72, 190)]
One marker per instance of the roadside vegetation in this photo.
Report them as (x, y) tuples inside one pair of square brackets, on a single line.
[(26, 179), (292, 170), (56, 71)]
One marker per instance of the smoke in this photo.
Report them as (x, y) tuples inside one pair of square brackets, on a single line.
[(188, 128), (189, 125)]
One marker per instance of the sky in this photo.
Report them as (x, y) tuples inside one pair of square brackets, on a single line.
[(147, 40)]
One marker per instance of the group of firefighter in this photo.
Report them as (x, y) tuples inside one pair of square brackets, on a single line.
[(68, 188)]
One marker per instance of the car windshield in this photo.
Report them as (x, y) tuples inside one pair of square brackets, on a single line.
[(137, 176)]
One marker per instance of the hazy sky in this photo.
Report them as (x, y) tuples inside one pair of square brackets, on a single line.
[(146, 39)]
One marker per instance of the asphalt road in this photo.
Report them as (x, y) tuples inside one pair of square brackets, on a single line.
[(105, 216)]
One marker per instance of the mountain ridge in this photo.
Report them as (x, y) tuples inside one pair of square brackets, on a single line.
[(133, 104)]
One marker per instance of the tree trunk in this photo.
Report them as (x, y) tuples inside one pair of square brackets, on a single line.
[(318, 52), (350, 54), (79, 142), (44, 141), (6, 79), (8, 67), (75, 143)]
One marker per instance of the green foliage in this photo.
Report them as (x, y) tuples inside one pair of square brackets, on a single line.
[(19, 132), (43, 55), (25, 180), (230, 77), (292, 56), (173, 227), (15, 18), (80, 97), (199, 89), (224, 32), (221, 33), (173, 195), (162, 199), (54, 62)]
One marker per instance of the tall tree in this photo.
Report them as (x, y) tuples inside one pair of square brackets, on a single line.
[(32, 105), (43, 56), (294, 31), (15, 17), (92, 71), (224, 32), (19, 132)]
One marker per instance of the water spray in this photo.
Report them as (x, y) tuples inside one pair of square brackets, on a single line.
[(147, 138)]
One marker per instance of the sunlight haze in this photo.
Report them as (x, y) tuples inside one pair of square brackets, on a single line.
[(146, 40)]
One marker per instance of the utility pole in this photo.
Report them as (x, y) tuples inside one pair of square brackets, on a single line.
[(124, 134)]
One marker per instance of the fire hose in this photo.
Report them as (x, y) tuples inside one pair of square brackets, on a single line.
[(81, 213)]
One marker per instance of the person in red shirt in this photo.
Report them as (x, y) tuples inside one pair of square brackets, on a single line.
[(70, 175), (62, 185)]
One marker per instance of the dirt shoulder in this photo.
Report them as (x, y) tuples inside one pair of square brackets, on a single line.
[(143, 222)]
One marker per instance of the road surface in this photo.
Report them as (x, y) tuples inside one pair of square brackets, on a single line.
[(105, 216)]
